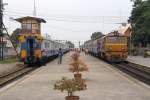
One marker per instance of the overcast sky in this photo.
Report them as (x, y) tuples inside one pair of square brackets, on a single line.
[(73, 20)]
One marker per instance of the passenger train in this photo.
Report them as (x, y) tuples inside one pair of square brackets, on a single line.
[(112, 47), (50, 48)]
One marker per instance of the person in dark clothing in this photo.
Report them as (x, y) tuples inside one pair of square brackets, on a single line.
[(60, 54)]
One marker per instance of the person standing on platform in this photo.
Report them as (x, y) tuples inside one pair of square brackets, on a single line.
[(60, 54), (86, 51)]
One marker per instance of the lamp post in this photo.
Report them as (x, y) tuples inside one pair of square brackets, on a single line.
[(131, 43)]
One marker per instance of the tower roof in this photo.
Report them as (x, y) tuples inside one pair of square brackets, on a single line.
[(40, 20)]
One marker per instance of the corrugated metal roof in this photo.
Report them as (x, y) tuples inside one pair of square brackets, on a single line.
[(29, 17)]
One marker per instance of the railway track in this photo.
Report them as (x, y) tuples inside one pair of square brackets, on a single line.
[(15, 74), (139, 72), (21, 70)]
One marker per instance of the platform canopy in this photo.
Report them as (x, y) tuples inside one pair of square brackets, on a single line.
[(40, 20)]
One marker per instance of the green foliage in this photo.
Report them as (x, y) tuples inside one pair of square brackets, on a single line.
[(77, 65), (69, 85), (146, 53), (14, 36), (140, 20), (9, 60), (96, 35), (71, 45)]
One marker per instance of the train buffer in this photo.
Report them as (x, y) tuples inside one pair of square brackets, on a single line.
[(104, 82)]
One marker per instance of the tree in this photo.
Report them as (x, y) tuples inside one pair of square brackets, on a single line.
[(77, 65), (14, 36), (71, 45), (140, 20), (96, 35)]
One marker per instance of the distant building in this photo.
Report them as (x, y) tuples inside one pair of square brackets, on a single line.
[(115, 32), (67, 43), (8, 48), (70, 44), (125, 30)]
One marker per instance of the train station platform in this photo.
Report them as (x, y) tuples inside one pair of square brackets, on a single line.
[(104, 82), (139, 60)]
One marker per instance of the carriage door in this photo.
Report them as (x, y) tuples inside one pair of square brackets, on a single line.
[(31, 47)]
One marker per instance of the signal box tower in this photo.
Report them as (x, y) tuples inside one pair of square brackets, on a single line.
[(31, 25), (30, 39)]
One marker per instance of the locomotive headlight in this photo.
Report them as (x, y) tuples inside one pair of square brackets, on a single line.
[(123, 48)]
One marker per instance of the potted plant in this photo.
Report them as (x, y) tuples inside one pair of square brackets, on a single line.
[(77, 66), (69, 85)]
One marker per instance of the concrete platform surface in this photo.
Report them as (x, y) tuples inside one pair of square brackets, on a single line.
[(139, 60), (103, 83)]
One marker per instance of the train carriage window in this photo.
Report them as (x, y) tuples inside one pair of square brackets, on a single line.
[(47, 45), (37, 45), (50, 45)]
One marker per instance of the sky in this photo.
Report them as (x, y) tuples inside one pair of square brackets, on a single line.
[(73, 20)]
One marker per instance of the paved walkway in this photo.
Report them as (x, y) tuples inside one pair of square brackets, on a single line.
[(103, 82), (139, 60)]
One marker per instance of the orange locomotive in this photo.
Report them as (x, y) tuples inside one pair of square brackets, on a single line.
[(112, 47)]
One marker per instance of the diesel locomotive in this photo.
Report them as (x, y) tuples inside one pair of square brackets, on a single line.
[(112, 47)]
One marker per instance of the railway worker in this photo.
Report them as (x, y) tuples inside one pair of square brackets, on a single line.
[(60, 54)]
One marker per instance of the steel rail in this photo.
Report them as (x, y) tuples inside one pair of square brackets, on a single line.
[(139, 72), (10, 77)]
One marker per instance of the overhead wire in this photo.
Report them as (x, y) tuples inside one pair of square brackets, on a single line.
[(60, 16), (79, 19), (71, 30)]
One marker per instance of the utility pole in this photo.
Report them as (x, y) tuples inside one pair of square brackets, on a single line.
[(79, 44), (34, 11), (130, 48), (1, 31)]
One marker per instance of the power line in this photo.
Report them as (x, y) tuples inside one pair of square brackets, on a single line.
[(71, 16), (66, 29), (79, 19), (15, 12)]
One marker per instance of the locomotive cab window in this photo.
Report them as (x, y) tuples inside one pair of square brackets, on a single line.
[(118, 39)]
